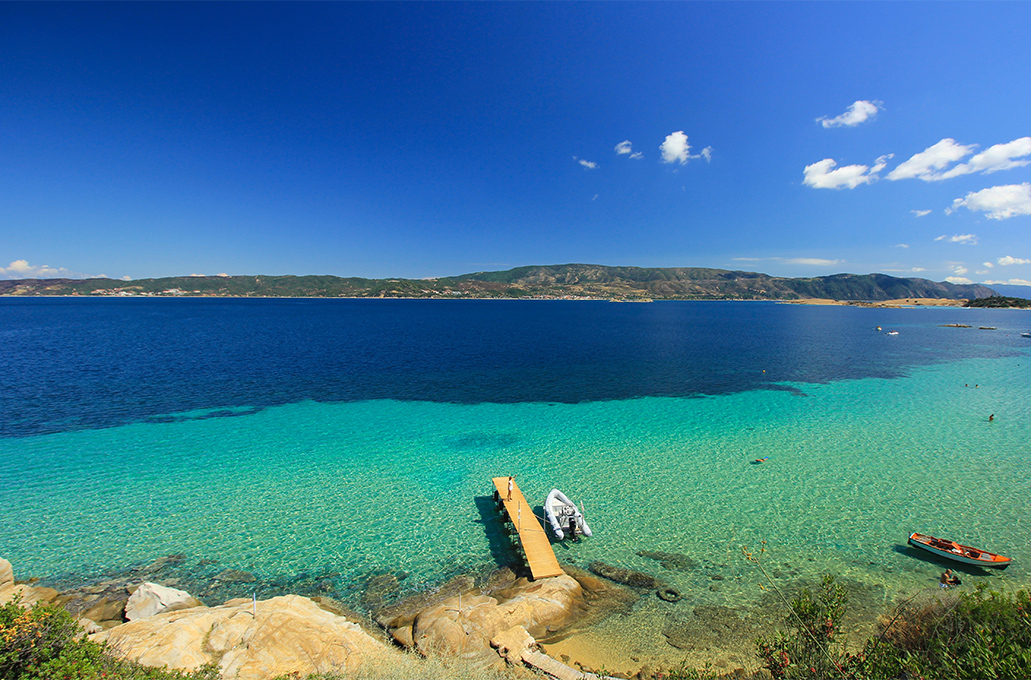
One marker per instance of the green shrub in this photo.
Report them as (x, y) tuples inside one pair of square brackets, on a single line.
[(44, 642), (806, 650), (980, 634)]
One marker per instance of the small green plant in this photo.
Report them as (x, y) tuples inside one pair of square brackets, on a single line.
[(806, 650), (44, 642)]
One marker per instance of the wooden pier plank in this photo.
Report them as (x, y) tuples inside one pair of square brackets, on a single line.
[(539, 555)]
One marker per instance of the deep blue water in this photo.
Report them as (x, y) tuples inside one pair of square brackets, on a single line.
[(72, 364)]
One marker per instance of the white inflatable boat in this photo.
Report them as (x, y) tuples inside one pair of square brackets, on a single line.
[(563, 513)]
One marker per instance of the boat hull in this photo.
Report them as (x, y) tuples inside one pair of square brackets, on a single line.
[(964, 554)]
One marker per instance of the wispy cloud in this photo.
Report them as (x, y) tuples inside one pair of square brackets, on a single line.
[(589, 165), (826, 175), (1000, 202), (1009, 282), (994, 159), (929, 165), (921, 213), (21, 269), (926, 164), (1007, 261), (969, 239), (812, 261), (901, 245), (859, 112), (958, 280), (625, 148)]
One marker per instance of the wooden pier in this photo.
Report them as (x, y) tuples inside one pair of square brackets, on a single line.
[(536, 546)]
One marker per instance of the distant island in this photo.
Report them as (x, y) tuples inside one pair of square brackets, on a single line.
[(566, 281), (999, 301)]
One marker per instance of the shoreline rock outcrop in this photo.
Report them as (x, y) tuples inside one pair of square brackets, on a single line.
[(152, 598), (29, 594), (250, 640), (464, 625)]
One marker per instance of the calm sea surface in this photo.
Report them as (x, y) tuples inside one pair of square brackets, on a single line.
[(318, 442)]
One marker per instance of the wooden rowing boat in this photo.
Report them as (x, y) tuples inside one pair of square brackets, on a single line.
[(960, 553)]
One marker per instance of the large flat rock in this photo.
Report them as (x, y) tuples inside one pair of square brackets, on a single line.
[(280, 636)]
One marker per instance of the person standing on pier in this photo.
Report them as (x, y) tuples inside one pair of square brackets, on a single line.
[(511, 483)]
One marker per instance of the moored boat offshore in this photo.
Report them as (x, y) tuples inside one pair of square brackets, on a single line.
[(960, 553)]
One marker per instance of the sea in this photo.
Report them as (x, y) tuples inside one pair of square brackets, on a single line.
[(320, 444)]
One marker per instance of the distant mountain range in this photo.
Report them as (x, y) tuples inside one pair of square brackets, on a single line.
[(1013, 291), (551, 281)]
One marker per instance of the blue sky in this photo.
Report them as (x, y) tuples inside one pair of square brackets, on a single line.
[(423, 139)]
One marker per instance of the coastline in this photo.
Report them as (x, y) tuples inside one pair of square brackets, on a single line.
[(881, 304)]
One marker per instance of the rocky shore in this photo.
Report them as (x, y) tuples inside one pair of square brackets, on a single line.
[(485, 622)]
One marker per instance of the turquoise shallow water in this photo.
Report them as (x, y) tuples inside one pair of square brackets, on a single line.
[(370, 486)]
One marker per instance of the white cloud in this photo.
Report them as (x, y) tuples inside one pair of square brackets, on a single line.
[(918, 269), (675, 148), (920, 213), (1009, 282), (959, 271), (625, 148), (1001, 202), (969, 239), (813, 261), (927, 164), (823, 175), (958, 280), (589, 165), (1007, 260), (901, 245), (859, 112), (989, 265), (994, 159), (21, 269)]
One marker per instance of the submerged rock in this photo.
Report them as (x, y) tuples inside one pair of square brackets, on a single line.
[(627, 577), (235, 576), (379, 588), (671, 561), (404, 612), (709, 627)]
